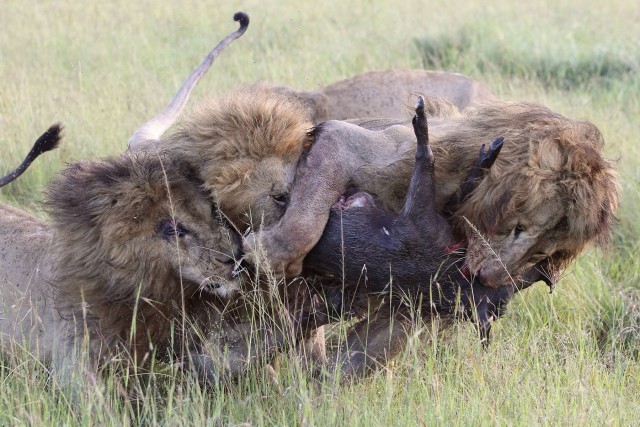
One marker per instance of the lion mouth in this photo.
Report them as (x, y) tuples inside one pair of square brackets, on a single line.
[(215, 286)]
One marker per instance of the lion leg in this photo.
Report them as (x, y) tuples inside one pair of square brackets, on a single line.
[(225, 352), (74, 372), (372, 343), (212, 365), (312, 351)]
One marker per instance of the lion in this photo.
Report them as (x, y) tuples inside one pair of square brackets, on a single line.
[(247, 155), (388, 94), (107, 261), (247, 145), (507, 229), (134, 261)]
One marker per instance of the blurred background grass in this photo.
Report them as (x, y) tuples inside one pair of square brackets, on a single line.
[(103, 68)]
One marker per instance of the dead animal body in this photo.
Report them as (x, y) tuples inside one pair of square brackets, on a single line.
[(408, 259)]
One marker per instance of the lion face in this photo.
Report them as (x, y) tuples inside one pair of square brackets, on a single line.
[(260, 199), (139, 225), (560, 197), (520, 242), (176, 235), (245, 146)]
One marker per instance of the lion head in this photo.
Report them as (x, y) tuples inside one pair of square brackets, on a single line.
[(246, 146), (137, 236), (549, 194)]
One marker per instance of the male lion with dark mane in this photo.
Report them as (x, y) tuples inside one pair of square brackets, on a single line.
[(134, 262)]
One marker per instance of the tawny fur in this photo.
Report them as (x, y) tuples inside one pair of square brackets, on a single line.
[(389, 94), (27, 315), (116, 276), (243, 142)]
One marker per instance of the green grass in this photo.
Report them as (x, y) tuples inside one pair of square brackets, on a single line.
[(103, 68)]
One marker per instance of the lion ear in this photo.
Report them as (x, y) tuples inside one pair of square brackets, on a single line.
[(319, 105), (185, 168), (547, 155)]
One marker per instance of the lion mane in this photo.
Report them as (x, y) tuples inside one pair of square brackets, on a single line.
[(247, 140), (550, 183), (137, 249)]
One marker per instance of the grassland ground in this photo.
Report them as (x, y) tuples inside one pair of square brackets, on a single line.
[(103, 68)]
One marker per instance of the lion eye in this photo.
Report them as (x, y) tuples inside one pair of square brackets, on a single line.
[(170, 228), (517, 230), (281, 199)]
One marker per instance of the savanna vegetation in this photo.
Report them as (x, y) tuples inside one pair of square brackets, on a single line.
[(103, 68)]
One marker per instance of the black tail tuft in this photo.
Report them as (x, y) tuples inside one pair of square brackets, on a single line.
[(243, 19), (48, 140)]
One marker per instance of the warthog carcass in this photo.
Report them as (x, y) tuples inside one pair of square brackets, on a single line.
[(408, 259)]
